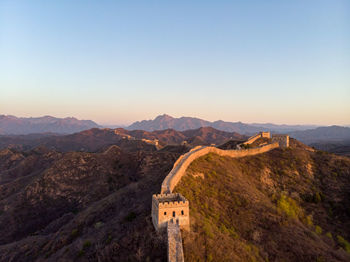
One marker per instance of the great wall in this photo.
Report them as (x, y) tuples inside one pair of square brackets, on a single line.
[(170, 211)]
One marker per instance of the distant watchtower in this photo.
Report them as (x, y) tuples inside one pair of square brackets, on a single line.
[(283, 140), (170, 207)]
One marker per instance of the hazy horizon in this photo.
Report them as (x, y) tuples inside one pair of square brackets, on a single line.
[(152, 118), (120, 62)]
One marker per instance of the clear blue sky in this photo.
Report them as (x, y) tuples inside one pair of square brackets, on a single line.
[(120, 61)]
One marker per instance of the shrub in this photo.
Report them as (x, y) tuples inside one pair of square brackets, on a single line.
[(208, 157), (317, 198), (81, 253), (308, 220), (345, 244), (289, 206), (74, 233), (318, 230), (320, 259), (86, 244), (98, 224), (208, 229), (229, 231), (329, 235), (109, 239)]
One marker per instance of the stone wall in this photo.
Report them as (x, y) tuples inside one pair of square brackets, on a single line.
[(175, 249), (180, 167), (252, 139)]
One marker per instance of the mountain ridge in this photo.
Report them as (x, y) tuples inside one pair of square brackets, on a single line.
[(12, 125), (184, 123), (95, 139), (323, 133)]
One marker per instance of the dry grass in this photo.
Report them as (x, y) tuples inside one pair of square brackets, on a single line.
[(237, 217)]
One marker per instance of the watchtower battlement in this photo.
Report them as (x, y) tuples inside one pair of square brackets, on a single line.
[(170, 199), (167, 207), (174, 204)]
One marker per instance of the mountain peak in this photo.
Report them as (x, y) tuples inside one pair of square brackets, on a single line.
[(165, 121), (164, 117)]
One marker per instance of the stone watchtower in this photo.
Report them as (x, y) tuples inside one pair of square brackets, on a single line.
[(283, 140), (170, 207)]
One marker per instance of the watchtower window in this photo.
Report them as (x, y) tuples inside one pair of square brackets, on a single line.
[(173, 213), (182, 212), (164, 213)]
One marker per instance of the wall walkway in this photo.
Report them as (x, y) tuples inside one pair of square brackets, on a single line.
[(175, 250)]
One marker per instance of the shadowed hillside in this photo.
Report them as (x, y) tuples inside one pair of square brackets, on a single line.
[(80, 206), (284, 205)]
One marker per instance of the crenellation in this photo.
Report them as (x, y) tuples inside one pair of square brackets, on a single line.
[(173, 204)]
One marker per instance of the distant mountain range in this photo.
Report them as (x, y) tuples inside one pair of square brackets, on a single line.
[(46, 124), (185, 123), (166, 129), (324, 133)]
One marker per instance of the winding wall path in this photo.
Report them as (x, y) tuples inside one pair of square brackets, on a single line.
[(175, 249), (185, 160)]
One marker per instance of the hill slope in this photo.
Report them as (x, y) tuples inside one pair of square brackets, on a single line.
[(80, 206), (285, 205)]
